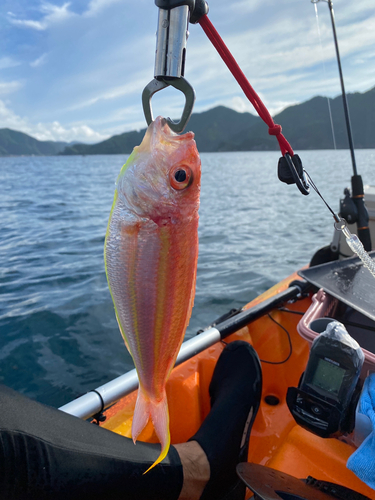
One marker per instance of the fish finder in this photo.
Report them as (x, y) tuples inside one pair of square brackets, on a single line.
[(326, 398)]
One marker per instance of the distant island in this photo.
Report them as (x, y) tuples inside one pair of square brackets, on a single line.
[(305, 126)]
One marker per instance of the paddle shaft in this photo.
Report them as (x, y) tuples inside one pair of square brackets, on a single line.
[(95, 401)]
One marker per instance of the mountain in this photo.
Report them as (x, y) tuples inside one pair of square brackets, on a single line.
[(117, 144), (308, 125), (211, 129), (305, 126), (17, 143)]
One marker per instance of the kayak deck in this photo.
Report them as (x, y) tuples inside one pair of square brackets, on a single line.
[(276, 440)]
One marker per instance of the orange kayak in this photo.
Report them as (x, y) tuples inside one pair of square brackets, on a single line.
[(276, 440)]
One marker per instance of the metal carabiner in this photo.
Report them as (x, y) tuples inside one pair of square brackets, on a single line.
[(298, 174), (161, 83)]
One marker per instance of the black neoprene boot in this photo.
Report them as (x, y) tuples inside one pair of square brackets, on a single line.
[(235, 393)]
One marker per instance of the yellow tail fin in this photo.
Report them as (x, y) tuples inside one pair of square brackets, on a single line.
[(158, 412)]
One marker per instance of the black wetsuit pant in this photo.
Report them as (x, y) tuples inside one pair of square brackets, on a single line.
[(48, 454)]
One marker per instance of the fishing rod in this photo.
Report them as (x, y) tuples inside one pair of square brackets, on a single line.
[(169, 70), (361, 217)]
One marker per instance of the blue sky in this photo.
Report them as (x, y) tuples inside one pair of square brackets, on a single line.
[(75, 70)]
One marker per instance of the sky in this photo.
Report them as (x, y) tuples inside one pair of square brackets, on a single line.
[(75, 70)]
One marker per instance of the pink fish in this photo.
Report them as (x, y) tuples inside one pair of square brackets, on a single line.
[(151, 253)]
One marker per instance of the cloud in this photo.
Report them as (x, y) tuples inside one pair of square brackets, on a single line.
[(27, 23), (39, 61), (56, 132), (8, 62), (9, 87), (9, 119), (52, 14), (133, 87), (49, 131), (96, 6)]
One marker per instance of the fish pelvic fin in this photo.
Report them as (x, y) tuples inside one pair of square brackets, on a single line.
[(159, 414)]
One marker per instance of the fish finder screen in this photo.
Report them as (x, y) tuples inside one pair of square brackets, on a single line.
[(328, 376)]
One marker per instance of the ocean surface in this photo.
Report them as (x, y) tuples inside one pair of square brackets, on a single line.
[(58, 333)]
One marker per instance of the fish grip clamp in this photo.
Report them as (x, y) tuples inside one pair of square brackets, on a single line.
[(160, 83), (290, 170), (172, 35)]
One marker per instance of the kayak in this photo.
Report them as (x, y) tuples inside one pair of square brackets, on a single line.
[(276, 440)]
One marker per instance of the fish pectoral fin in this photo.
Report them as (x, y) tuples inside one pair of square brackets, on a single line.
[(158, 412)]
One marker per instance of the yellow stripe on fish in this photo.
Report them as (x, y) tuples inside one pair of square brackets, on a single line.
[(151, 252)]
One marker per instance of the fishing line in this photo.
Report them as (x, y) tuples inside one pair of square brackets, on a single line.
[(325, 73), (313, 185), (289, 341)]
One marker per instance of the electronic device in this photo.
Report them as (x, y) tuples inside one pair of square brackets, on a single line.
[(325, 401)]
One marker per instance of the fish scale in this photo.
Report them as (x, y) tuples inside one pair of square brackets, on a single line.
[(151, 252)]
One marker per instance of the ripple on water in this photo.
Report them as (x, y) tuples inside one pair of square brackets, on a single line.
[(59, 336)]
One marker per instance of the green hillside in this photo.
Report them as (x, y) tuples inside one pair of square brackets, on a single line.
[(118, 144), (211, 130), (17, 144), (308, 125)]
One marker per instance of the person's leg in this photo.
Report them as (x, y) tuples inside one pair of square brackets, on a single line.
[(209, 459), (196, 470), (46, 454), (235, 392)]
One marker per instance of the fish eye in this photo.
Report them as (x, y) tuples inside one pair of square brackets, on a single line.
[(181, 177)]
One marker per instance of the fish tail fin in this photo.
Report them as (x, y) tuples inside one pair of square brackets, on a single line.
[(141, 415), (160, 420), (159, 414)]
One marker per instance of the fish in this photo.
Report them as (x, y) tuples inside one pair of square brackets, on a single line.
[(151, 254)]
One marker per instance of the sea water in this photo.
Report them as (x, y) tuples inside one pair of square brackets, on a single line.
[(58, 333)]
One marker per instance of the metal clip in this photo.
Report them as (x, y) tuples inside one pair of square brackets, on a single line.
[(161, 83), (298, 174)]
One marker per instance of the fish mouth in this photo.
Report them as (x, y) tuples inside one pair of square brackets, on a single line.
[(160, 134), (168, 134)]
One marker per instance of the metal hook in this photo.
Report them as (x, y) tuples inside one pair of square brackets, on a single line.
[(178, 83)]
